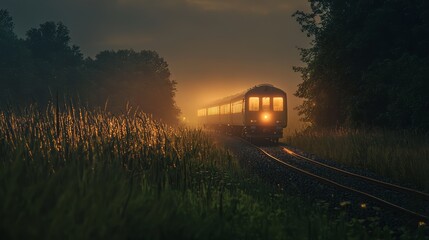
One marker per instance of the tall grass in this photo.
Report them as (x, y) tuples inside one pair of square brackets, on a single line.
[(80, 174), (102, 157), (402, 155)]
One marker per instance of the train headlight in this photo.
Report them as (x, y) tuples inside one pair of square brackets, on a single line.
[(266, 117)]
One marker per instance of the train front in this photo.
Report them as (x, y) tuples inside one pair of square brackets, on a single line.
[(265, 113)]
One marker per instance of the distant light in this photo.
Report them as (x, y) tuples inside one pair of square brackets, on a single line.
[(421, 224), (363, 205), (266, 116), (184, 118)]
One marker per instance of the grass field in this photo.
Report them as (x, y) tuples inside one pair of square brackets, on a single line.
[(80, 174), (400, 155)]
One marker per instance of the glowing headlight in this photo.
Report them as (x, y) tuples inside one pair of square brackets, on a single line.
[(265, 117)]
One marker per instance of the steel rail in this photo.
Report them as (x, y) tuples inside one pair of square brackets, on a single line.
[(381, 183), (416, 215)]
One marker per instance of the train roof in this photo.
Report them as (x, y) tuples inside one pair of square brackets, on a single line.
[(257, 89)]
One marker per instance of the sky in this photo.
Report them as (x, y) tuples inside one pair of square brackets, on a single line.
[(214, 48)]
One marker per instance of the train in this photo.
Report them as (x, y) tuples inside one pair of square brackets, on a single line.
[(259, 112)]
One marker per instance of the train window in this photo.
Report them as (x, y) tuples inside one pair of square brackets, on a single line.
[(213, 111), (237, 107), (266, 103), (201, 112), (278, 104), (253, 103), (225, 109)]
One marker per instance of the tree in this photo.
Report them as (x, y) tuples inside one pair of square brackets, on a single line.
[(351, 75), (6, 25), (141, 79), (57, 63), (8, 40), (15, 60), (46, 63)]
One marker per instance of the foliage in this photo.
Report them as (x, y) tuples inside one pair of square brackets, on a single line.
[(56, 64), (45, 63), (137, 78), (13, 58), (367, 65), (6, 25)]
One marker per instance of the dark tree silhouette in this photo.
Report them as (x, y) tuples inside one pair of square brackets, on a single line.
[(141, 79), (46, 63), (15, 60), (368, 63), (57, 63), (6, 25)]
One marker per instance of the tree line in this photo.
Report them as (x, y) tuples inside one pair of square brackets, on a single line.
[(368, 64), (45, 63)]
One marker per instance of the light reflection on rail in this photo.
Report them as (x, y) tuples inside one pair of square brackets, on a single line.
[(422, 219)]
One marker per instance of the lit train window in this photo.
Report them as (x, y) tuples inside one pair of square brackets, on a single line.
[(237, 107), (225, 109), (266, 103), (213, 111), (253, 104), (278, 104), (201, 112)]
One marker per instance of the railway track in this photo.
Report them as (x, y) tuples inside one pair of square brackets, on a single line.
[(410, 201)]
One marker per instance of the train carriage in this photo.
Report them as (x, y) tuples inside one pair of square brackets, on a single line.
[(259, 112)]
